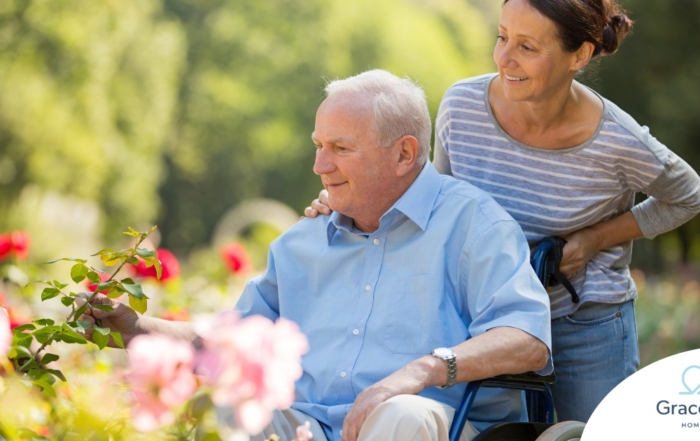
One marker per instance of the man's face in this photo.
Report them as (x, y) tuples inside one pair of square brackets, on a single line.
[(357, 173)]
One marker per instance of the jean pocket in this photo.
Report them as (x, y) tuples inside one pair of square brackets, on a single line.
[(594, 314), (413, 320)]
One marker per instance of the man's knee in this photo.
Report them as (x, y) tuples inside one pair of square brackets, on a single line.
[(407, 417)]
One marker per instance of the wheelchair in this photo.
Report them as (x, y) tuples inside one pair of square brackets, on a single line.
[(538, 397)]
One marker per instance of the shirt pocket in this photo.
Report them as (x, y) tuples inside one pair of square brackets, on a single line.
[(414, 322)]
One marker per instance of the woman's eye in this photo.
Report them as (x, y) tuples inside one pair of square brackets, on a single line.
[(527, 48), (501, 38)]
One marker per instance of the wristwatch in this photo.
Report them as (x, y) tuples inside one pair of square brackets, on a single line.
[(449, 357)]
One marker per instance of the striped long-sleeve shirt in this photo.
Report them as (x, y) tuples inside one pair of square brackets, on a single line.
[(556, 192)]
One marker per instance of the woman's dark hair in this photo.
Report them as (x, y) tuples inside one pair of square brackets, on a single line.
[(601, 22)]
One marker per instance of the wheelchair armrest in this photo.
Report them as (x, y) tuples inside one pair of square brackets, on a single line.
[(539, 398)]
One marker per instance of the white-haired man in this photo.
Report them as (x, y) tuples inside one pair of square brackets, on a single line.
[(415, 283)]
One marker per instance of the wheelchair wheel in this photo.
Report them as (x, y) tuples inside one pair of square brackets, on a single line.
[(564, 431)]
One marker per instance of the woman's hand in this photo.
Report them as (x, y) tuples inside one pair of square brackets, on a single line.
[(580, 247), (318, 206)]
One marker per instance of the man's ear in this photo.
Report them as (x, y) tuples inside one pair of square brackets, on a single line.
[(408, 149)]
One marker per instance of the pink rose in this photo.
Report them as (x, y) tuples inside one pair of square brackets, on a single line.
[(236, 259), (161, 379), (170, 267), (5, 333), (252, 365), (304, 432)]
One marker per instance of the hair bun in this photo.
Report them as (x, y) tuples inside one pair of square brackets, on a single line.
[(615, 31)]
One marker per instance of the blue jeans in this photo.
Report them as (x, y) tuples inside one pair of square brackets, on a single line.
[(593, 350)]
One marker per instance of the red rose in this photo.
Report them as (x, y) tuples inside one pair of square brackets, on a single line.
[(5, 246), (236, 258), (168, 262), (20, 243)]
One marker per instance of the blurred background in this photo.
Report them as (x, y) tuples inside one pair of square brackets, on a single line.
[(196, 115)]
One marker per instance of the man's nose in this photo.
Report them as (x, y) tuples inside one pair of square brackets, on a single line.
[(323, 163)]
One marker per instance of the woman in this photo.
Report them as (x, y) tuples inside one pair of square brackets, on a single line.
[(564, 161)]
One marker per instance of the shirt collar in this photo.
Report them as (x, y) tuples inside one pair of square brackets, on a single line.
[(416, 204)]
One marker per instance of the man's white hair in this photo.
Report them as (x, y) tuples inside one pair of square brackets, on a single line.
[(398, 104)]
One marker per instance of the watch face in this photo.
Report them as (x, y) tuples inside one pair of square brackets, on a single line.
[(443, 352)]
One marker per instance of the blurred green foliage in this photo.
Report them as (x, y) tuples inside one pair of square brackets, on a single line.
[(174, 111)]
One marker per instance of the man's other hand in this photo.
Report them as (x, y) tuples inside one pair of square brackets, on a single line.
[(411, 379)]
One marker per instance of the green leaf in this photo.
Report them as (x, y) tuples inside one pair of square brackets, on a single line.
[(25, 433), (48, 358), (93, 277), (22, 328), (128, 280), (59, 285), (70, 336), (56, 373), (83, 325), (133, 260), (67, 300), (100, 340), (111, 259), (113, 294), (133, 233), (49, 293), (25, 341), (68, 259), (45, 386), (80, 311), (106, 286), (117, 337), (107, 308), (138, 305), (142, 252), (103, 331), (79, 272), (133, 290), (44, 322)]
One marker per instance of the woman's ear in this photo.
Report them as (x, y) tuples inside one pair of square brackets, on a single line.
[(583, 56)]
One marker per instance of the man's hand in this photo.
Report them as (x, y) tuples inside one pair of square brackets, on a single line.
[(411, 379), (318, 206), (121, 319)]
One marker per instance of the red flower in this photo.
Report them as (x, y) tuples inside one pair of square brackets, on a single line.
[(236, 258), (5, 246), (16, 242), (20, 243), (169, 263), (93, 286)]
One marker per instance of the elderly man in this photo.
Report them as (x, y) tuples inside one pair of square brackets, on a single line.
[(417, 282)]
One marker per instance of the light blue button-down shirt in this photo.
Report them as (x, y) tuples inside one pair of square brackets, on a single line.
[(446, 264)]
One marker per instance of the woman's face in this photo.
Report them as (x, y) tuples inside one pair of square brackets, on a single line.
[(531, 62)]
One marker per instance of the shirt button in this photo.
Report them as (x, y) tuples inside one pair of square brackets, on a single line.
[(376, 241), (343, 374), (355, 331), (367, 288)]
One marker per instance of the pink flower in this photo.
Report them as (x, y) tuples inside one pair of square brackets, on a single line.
[(304, 432), (236, 258), (252, 365), (161, 379), (169, 263), (5, 333), (5, 246)]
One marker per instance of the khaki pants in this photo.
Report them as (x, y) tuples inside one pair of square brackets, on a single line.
[(401, 418)]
